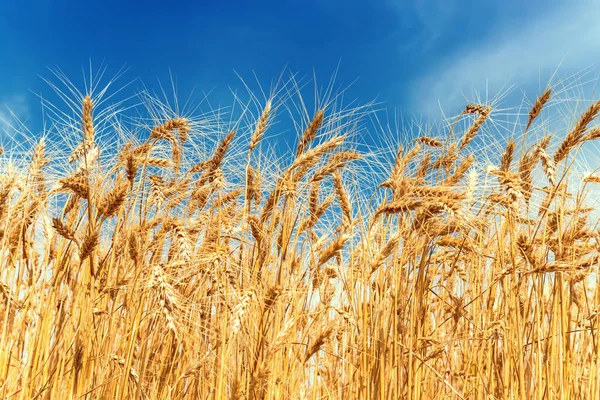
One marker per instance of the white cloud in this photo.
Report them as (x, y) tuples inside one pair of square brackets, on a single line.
[(12, 110), (566, 39)]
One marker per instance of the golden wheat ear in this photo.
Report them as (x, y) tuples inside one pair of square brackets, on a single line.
[(575, 137), (484, 113), (261, 127), (536, 110)]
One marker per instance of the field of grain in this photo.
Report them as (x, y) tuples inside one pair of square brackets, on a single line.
[(168, 255)]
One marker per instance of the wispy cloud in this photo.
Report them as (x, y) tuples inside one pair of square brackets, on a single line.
[(424, 22), (12, 110), (566, 39)]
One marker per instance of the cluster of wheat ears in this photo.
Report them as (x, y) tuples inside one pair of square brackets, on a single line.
[(172, 268)]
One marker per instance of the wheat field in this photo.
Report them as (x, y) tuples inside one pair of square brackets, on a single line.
[(174, 255)]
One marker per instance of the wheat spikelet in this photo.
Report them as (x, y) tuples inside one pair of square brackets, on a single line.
[(592, 179), (4, 199), (538, 106), (512, 184), (316, 212), (446, 160), (474, 128), (198, 167), (132, 164), (81, 149), (218, 179), (507, 156), (241, 310), (308, 158), (181, 125), (199, 197), (313, 196), (227, 198), (167, 297), (219, 154), (475, 109), (281, 337), (261, 126), (436, 192), (88, 122), (38, 160), (423, 168), (498, 198), (176, 154), (113, 200), (526, 167), (157, 162), (272, 295), (472, 180), (431, 142), (408, 157), (385, 252), (164, 131), (255, 227), (183, 243), (455, 242), (143, 150), (397, 171), (399, 205), (317, 343), (592, 135), (576, 135), (134, 252), (336, 162), (310, 133), (158, 190), (343, 199), (88, 245), (543, 144), (460, 171), (77, 184), (333, 249), (548, 166), (253, 190), (63, 230)]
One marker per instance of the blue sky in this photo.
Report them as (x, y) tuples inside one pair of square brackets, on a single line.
[(411, 55)]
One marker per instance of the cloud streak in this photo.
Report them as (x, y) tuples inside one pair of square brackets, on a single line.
[(567, 39), (12, 110)]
